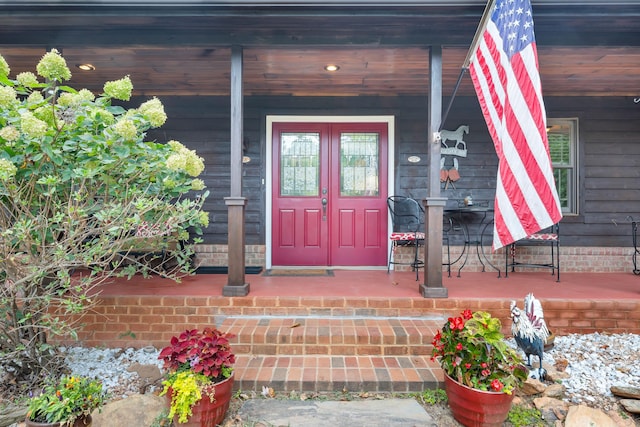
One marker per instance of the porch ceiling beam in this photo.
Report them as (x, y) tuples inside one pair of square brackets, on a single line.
[(449, 13), (295, 23), (291, 3), (257, 31)]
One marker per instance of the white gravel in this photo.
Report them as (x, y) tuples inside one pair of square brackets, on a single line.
[(111, 365), (595, 363)]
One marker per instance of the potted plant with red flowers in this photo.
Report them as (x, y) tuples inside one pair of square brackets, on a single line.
[(481, 370), (199, 379)]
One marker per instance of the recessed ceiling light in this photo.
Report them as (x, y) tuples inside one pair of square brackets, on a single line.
[(331, 67), (86, 67)]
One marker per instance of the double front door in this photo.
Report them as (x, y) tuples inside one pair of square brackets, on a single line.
[(329, 194)]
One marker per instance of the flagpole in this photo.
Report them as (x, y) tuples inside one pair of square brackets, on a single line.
[(472, 50), (453, 96), (476, 38)]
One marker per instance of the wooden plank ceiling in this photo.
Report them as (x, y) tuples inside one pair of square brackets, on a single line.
[(373, 71), (172, 48)]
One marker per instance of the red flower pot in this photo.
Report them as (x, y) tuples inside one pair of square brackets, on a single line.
[(477, 408), (208, 413)]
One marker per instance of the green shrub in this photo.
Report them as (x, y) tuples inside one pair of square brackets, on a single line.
[(522, 416), (433, 397)]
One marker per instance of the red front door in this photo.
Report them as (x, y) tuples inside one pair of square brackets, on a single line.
[(329, 194)]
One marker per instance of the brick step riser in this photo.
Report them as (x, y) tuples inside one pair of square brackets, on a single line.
[(332, 350), (332, 337), (285, 374)]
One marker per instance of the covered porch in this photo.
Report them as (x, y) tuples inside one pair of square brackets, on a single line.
[(398, 59)]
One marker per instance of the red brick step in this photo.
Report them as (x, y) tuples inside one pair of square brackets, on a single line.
[(345, 336), (323, 373), (334, 354)]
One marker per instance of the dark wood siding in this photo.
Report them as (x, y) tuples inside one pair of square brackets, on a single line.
[(609, 157), (610, 163)]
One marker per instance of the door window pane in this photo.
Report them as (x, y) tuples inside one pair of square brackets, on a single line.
[(359, 164), (300, 164)]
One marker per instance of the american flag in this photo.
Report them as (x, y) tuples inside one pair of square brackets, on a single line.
[(504, 70)]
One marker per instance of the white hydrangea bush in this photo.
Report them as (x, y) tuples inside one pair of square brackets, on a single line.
[(81, 190)]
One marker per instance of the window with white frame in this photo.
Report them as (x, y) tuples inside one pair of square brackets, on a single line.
[(563, 146)]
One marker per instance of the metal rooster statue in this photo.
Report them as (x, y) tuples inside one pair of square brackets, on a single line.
[(530, 330)]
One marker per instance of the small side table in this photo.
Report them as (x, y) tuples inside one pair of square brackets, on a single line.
[(474, 220)]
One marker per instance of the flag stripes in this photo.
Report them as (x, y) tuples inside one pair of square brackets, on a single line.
[(504, 71)]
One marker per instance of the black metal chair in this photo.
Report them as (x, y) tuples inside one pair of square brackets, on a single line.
[(547, 237), (407, 217)]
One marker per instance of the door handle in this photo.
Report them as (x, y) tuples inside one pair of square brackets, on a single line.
[(324, 208)]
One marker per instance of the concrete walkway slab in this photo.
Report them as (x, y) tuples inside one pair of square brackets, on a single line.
[(370, 413)]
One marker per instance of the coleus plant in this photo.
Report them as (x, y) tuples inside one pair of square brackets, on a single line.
[(195, 361), (207, 352)]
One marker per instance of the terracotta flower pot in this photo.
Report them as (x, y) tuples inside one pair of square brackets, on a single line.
[(80, 422), (477, 408), (208, 413)]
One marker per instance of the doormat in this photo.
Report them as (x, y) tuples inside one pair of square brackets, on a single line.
[(298, 272), (225, 270)]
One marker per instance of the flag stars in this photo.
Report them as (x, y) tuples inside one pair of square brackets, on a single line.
[(515, 23)]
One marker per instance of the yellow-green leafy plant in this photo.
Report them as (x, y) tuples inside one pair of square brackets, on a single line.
[(81, 187)]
